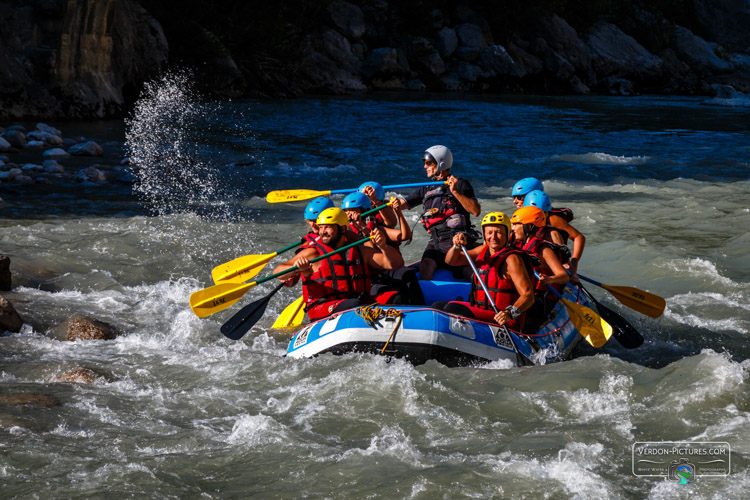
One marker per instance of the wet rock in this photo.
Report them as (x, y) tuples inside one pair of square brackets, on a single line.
[(52, 167), (89, 148), (415, 84), (424, 57), (36, 144), (468, 16), (4, 144), (348, 18), (447, 42), (15, 138), (385, 63), (23, 179), (28, 399), (56, 153), (337, 48), (616, 86), (32, 167), (5, 279), (616, 54), (80, 375), (529, 63), (470, 35), (80, 327), (10, 320), (697, 52), (91, 174), (18, 128), (564, 40), (497, 62), (49, 129)]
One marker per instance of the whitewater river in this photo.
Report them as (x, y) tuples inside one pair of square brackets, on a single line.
[(660, 187)]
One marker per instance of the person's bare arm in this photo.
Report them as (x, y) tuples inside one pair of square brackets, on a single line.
[(579, 240), (302, 258), (559, 275), (470, 204), (522, 282), (385, 257), (456, 257)]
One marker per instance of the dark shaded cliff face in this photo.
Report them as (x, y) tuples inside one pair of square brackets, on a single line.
[(77, 59)]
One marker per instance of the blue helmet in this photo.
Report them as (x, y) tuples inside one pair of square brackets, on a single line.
[(356, 200), (524, 186), (379, 191), (539, 199), (316, 206)]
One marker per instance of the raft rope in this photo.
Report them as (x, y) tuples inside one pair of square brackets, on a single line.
[(373, 312)]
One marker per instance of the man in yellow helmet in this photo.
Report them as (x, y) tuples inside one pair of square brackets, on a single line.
[(342, 281), (505, 271)]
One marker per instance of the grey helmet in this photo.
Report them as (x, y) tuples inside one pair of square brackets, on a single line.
[(441, 155)]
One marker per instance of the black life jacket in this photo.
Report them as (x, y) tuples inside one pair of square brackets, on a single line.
[(565, 213), (440, 205)]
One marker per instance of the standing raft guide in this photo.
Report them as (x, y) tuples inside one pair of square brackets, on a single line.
[(511, 291)]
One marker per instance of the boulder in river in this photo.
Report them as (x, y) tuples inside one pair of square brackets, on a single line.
[(56, 153), (4, 144), (10, 320), (79, 327), (89, 148), (15, 138), (80, 375), (5, 281), (28, 399)]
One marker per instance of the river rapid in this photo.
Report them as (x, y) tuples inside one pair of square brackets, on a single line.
[(659, 186)]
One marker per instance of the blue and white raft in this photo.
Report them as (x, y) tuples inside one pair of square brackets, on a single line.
[(419, 334)]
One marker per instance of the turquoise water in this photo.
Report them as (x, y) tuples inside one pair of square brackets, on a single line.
[(660, 186)]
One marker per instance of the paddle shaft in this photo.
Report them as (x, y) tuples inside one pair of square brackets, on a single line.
[(519, 356), (239, 324), (394, 186), (316, 259)]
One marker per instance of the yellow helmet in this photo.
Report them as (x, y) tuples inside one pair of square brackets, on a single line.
[(333, 215), (496, 218), (529, 215)]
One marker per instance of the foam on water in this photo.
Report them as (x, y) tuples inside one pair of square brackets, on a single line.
[(601, 159)]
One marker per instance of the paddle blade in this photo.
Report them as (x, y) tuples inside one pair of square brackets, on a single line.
[(638, 300), (241, 323), (241, 268), (292, 316), (217, 298), (590, 325), (625, 333), (294, 195)]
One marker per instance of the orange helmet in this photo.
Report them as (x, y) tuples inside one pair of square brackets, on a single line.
[(529, 215)]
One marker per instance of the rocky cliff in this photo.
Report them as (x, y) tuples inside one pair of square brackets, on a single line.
[(89, 58)]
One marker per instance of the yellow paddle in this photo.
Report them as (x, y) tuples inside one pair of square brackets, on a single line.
[(292, 316), (589, 324), (634, 298), (307, 194), (218, 297), (246, 267)]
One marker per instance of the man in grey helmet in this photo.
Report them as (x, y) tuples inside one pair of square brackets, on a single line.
[(448, 210)]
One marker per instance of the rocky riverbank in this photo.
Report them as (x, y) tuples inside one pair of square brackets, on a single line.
[(44, 156), (74, 60)]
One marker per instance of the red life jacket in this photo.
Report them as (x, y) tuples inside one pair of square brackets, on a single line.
[(565, 213), (502, 290), (339, 277)]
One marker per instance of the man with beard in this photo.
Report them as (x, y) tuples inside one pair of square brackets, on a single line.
[(342, 281)]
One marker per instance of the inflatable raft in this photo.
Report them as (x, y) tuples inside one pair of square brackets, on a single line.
[(419, 334)]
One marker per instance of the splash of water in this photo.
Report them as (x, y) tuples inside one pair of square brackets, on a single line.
[(163, 144)]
